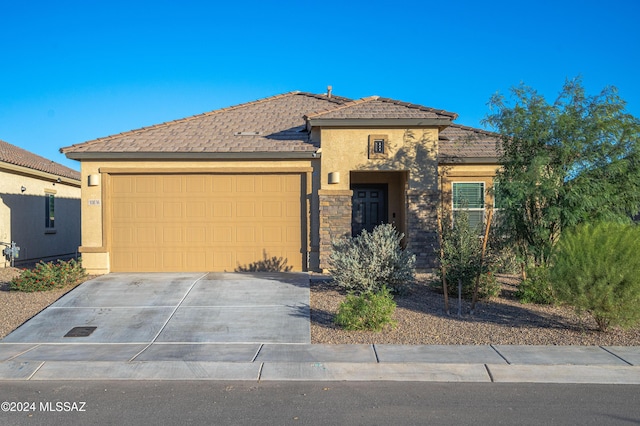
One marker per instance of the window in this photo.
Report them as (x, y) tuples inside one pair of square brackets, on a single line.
[(469, 196), (378, 146), (49, 211)]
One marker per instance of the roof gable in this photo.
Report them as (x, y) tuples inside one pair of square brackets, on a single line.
[(375, 107), (16, 156)]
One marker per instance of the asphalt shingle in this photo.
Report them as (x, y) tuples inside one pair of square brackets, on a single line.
[(458, 141), (12, 154)]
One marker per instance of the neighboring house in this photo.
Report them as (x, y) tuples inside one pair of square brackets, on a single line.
[(281, 176), (39, 206)]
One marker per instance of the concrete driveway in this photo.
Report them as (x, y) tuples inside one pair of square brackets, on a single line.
[(145, 308)]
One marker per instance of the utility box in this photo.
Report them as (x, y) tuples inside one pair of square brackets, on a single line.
[(12, 252)]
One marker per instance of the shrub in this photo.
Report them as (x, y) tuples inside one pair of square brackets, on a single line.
[(371, 261), (367, 311), (461, 252), (48, 276), (489, 286), (536, 288), (596, 269)]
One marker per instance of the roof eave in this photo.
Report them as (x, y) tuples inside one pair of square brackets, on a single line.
[(261, 155), (38, 174), (450, 159), (378, 122)]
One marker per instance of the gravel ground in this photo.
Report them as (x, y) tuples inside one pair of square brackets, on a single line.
[(502, 320), (419, 315), (17, 307)]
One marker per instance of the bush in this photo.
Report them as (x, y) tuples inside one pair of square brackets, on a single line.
[(536, 288), (367, 311), (48, 276), (461, 249), (596, 269), (489, 286), (371, 261)]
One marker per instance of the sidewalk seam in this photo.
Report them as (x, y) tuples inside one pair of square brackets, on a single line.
[(36, 370), (501, 356), (620, 358), (260, 371), (486, 367), (257, 352), (375, 352), (168, 319)]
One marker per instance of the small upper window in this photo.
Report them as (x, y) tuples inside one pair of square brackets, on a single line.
[(49, 211), (378, 146)]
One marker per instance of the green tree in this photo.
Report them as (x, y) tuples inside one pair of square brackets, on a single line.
[(565, 163)]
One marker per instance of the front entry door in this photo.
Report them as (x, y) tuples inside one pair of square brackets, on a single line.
[(369, 207)]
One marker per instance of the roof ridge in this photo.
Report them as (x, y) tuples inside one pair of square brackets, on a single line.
[(185, 119), (419, 107), (343, 106), (453, 115)]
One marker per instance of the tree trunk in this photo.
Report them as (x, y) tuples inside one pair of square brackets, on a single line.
[(482, 253), (459, 297), (443, 268)]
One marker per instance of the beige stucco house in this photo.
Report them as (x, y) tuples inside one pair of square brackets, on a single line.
[(39, 207), (281, 176)]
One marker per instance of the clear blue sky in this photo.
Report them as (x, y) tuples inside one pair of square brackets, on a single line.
[(72, 71)]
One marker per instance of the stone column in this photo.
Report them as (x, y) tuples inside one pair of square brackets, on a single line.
[(422, 227), (335, 220)]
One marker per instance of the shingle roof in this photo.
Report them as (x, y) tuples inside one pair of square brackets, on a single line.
[(278, 124), (375, 107), (458, 141), (11, 154), (273, 124)]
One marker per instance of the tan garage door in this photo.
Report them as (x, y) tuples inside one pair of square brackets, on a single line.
[(204, 222)]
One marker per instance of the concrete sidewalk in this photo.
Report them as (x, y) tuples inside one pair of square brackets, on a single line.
[(287, 362), (256, 327)]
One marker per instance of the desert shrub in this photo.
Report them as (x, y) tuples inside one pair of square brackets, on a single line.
[(461, 252), (371, 261), (48, 276), (596, 269), (489, 285), (536, 288), (367, 311)]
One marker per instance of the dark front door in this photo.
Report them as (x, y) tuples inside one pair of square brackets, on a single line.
[(369, 207)]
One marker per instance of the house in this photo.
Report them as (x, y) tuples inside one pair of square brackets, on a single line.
[(39, 207), (278, 177)]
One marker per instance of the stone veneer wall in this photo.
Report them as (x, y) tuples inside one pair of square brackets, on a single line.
[(422, 227), (335, 220)]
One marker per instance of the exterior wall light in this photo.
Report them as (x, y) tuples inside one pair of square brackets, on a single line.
[(334, 177), (94, 180)]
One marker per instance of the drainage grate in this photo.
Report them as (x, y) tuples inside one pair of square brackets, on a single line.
[(80, 331)]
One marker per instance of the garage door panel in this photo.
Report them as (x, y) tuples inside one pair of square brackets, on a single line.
[(222, 209), (205, 222), (172, 235), (145, 210), (145, 185), (195, 209), (196, 184), (145, 236), (172, 185), (172, 210)]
